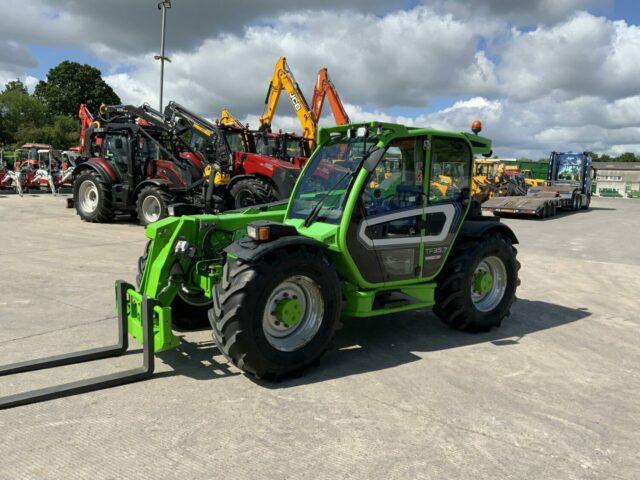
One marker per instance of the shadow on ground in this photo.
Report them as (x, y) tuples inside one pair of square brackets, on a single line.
[(371, 344)]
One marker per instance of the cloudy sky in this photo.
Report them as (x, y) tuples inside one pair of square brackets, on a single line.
[(541, 74)]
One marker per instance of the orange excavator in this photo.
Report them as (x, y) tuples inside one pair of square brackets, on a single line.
[(324, 88)]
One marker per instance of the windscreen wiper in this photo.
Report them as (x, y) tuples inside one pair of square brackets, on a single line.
[(313, 214)]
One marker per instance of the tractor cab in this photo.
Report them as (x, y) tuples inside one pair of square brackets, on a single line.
[(393, 212), (28, 154)]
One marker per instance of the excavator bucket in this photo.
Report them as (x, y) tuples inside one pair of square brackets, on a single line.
[(95, 383)]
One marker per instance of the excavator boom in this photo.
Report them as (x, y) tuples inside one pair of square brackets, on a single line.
[(324, 88), (283, 80)]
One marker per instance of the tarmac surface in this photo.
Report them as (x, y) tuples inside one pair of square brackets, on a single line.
[(554, 393)]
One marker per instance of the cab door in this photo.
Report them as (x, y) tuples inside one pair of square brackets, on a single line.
[(449, 167), (385, 234)]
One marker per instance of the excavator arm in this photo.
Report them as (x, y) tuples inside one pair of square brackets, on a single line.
[(325, 88), (283, 80), (86, 120)]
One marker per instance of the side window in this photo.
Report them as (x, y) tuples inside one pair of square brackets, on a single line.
[(116, 150), (450, 166), (396, 182)]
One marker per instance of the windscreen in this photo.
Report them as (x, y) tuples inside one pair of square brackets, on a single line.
[(328, 177), (569, 167)]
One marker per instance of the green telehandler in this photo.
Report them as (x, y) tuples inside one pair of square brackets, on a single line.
[(365, 232)]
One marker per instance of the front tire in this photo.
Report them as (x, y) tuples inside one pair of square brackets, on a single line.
[(153, 204), (477, 286), (275, 317), (252, 191), (92, 197)]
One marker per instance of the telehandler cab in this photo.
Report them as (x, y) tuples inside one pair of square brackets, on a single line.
[(275, 279)]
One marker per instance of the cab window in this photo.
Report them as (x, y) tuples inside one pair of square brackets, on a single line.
[(450, 168), (116, 150), (396, 182)]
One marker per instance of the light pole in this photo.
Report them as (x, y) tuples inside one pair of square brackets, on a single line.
[(164, 5)]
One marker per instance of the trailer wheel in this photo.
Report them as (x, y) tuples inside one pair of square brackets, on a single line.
[(574, 202), (152, 204), (251, 191), (553, 210), (275, 317), (92, 197), (477, 286), (587, 203), (188, 312)]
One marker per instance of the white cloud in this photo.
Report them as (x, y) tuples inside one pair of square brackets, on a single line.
[(570, 82)]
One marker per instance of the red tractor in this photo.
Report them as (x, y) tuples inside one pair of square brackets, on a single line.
[(27, 168), (257, 172), (133, 163)]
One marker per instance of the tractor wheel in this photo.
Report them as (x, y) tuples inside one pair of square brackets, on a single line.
[(152, 204), (92, 197), (478, 284), (188, 312), (252, 191), (275, 317)]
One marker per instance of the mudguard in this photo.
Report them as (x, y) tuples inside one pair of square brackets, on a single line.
[(251, 251), (477, 228), (100, 166), (157, 182)]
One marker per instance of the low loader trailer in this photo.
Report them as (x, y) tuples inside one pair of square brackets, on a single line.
[(568, 187), (273, 281)]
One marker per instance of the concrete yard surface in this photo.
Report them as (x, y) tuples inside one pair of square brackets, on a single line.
[(554, 393)]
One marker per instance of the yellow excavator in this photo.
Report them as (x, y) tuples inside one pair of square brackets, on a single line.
[(283, 79), (229, 120), (493, 178)]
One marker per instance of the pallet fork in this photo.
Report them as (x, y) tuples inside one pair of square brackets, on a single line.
[(95, 383)]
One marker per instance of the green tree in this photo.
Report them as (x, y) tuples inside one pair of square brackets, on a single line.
[(15, 86), (70, 84), (18, 110), (60, 132), (627, 157)]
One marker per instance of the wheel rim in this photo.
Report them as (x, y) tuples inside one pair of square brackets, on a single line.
[(293, 313), (488, 284), (193, 299), (151, 209), (89, 196)]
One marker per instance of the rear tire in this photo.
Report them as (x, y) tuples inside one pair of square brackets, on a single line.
[(458, 302), (92, 197), (587, 203), (153, 204), (252, 191), (246, 315)]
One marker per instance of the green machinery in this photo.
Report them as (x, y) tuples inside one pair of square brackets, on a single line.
[(631, 193), (539, 169), (274, 280), (610, 192)]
